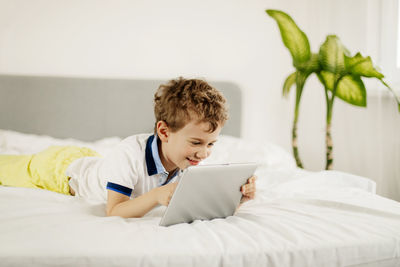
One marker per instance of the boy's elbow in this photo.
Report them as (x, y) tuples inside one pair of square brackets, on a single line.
[(109, 212), (112, 212)]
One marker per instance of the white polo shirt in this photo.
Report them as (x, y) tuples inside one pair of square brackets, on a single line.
[(132, 168)]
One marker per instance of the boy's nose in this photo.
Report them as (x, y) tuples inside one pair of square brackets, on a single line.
[(202, 153)]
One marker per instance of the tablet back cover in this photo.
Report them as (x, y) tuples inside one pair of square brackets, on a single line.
[(207, 192)]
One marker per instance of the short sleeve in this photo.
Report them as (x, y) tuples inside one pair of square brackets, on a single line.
[(119, 169), (119, 188)]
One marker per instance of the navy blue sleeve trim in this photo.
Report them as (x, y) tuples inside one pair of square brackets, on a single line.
[(119, 188)]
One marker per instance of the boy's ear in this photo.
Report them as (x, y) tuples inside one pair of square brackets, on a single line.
[(162, 131)]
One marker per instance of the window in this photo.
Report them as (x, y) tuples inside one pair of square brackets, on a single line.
[(398, 36), (390, 41)]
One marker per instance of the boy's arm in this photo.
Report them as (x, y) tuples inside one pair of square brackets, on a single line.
[(121, 205)]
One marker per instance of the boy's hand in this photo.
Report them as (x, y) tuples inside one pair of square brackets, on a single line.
[(249, 189), (164, 193)]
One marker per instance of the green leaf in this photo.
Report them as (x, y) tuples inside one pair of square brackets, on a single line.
[(362, 66), (351, 89), (327, 79), (293, 38), (310, 66), (331, 55), (290, 80)]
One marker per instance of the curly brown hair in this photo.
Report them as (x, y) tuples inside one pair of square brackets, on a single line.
[(181, 100)]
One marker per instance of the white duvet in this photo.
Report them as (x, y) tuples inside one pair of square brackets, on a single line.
[(298, 218)]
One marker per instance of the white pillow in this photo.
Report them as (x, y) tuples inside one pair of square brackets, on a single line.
[(229, 149), (12, 142)]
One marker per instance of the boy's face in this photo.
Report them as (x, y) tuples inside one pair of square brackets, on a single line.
[(187, 146)]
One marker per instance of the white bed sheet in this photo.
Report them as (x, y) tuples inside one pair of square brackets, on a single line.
[(298, 218), (346, 226)]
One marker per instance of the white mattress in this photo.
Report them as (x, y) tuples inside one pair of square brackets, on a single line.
[(297, 219)]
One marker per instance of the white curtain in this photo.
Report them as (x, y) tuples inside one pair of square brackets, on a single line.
[(368, 141), (388, 145)]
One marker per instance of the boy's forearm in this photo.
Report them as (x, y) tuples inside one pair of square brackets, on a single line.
[(136, 207)]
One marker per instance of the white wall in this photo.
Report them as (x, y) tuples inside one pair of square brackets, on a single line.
[(219, 40), (222, 40)]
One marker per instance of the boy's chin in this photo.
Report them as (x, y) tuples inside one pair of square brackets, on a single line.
[(184, 165), (191, 163)]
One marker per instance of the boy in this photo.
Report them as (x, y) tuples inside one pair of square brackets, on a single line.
[(189, 117)]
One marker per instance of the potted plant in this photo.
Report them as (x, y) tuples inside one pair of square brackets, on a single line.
[(338, 71)]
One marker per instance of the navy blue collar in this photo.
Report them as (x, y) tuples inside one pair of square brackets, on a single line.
[(153, 161), (150, 163)]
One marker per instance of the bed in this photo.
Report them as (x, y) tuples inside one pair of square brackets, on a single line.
[(298, 218)]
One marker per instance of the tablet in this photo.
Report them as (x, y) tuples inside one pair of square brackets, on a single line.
[(207, 192)]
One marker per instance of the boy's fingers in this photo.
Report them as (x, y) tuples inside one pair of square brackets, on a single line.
[(247, 197), (248, 188), (252, 179), (244, 190), (251, 194), (248, 193)]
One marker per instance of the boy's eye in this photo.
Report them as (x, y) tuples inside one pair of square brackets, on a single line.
[(199, 143), (196, 143)]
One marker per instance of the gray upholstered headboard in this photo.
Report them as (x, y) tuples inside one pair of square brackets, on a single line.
[(90, 108)]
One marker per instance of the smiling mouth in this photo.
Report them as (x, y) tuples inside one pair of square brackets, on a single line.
[(193, 162)]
